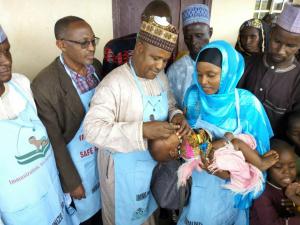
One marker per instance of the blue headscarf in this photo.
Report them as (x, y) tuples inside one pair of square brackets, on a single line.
[(220, 109), (217, 107)]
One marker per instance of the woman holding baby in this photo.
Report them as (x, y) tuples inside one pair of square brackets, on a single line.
[(215, 104)]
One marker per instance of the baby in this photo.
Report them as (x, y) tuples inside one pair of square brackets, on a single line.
[(227, 155)]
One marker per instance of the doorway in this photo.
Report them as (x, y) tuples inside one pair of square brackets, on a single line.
[(127, 16)]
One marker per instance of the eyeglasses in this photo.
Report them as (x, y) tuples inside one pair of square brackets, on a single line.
[(85, 44)]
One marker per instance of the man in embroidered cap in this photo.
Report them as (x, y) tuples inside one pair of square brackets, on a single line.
[(118, 51), (131, 106), (274, 77), (197, 32), (36, 199)]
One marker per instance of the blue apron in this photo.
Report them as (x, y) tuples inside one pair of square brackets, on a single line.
[(30, 187), (134, 202), (84, 157), (210, 203)]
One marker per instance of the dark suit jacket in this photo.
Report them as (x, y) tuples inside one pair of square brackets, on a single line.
[(61, 111)]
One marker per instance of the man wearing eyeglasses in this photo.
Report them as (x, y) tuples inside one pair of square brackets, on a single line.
[(62, 92)]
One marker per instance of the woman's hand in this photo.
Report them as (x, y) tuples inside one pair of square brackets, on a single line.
[(180, 120), (222, 174), (216, 144)]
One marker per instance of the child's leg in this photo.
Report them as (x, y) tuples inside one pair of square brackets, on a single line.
[(251, 156)]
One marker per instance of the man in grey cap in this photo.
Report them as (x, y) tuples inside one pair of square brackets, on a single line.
[(197, 32), (274, 77)]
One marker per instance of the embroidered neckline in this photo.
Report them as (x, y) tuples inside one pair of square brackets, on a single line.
[(274, 186), (278, 70)]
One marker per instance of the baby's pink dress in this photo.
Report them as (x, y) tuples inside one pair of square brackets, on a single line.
[(244, 177)]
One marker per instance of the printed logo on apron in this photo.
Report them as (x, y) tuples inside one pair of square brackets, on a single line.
[(36, 149), (31, 192)]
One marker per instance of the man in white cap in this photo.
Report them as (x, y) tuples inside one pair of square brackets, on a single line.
[(130, 107), (30, 189), (274, 77), (197, 32)]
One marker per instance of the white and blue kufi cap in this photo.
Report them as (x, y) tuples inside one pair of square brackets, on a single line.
[(196, 13), (3, 36), (289, 19)]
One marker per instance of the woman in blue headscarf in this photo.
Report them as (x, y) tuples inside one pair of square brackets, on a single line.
[(215, 104)]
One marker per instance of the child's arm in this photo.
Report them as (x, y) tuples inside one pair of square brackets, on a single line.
[(250, 155), (265, 213), (262, 163), (291, 192)]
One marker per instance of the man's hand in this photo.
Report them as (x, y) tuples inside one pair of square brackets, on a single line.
[(156, 129), (180, 120), (78, 193)]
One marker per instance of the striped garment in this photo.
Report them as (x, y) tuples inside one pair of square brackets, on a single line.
[(84, 83)]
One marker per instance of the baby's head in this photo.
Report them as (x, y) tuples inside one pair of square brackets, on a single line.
[(284, 171), (190, 147), (163, 150), (293, 130)]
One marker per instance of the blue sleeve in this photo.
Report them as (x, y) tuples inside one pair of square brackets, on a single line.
[(192, 105), (255, 121)]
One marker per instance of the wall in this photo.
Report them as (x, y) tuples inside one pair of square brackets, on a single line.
[(29, 26), (227, 17)]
